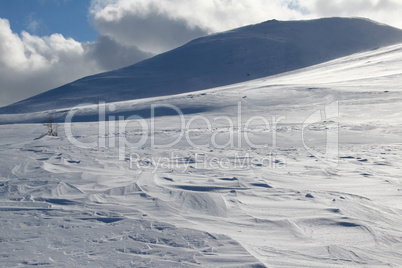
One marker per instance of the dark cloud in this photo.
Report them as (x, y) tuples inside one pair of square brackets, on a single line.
[(154, 32), (110, 55)]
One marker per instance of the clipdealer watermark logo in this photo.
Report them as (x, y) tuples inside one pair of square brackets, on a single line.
[(113, 133), (329, 114)]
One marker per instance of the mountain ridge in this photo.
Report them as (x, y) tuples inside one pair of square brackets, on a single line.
[(237, 55)]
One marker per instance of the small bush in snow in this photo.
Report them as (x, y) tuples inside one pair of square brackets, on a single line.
[(51, 126)]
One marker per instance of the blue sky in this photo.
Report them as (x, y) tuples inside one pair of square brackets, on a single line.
[(45, 17), (47, 43)]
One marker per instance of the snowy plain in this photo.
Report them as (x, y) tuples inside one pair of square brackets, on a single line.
[(187, 206)]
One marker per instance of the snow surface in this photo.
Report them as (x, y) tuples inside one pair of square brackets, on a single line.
[(239, 55), (62, 205), (66, 206)]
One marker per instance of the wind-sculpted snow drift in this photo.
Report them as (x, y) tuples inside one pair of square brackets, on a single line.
[(242, 54)]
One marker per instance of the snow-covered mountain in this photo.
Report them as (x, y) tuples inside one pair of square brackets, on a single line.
[(242, 54), (202, 201)]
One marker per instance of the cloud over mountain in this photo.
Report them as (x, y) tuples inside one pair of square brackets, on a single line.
[(31, 64), (158, 26)]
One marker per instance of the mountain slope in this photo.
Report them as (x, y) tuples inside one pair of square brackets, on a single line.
[(242, 54), (272, 203)]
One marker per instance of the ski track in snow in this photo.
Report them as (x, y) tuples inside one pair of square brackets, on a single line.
[(62, 205)]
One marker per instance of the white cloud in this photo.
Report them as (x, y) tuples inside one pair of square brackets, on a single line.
[(385, 11), (11, 46), (33, 25), (31, 64)]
